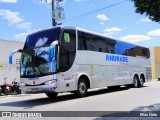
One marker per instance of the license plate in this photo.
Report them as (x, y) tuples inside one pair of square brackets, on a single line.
[(34, 90)]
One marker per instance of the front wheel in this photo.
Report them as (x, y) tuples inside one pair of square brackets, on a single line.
[(82, 88), (52, 95)]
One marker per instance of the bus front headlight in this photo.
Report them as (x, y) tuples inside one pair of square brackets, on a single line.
[(50, 82)]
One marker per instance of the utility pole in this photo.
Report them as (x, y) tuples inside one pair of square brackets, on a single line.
[(57, 12), (53, 10)]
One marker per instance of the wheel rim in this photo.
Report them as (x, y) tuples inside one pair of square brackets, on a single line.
[(82, 88), (141, 81), (136, 82)]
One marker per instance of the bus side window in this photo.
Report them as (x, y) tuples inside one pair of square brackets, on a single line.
[(106, 50), (100, 49), (91, 47), (146, 53), (112, 51), (82, 45), (67, 50)]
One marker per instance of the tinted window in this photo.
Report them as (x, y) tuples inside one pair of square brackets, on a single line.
[(92, 42), (67, 50), (42, 38), (82, 44), (131, 50)]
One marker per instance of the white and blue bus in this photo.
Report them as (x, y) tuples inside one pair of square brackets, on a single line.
[(70, 59)]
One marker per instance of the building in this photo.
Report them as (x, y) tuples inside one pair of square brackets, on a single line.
[(155, 61), (10, 72)]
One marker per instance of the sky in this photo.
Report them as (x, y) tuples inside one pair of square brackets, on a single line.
[(18, 18)]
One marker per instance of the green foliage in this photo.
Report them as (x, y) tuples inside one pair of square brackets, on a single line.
[(150, 8)]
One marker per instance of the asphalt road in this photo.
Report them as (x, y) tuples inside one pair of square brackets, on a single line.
[(123, 99)]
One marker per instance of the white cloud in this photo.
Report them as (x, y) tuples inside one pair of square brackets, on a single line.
[(46, 1), (135, 38), (102, 23), (11, 17), (22, 36), (107, 35), (26, 25), (154, 33), (102, 17), (79, 0), (145, 20), (15, 18), (113, 29), (9, 1)]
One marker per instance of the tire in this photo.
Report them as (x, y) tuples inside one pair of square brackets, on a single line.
[(18, 91), (6, 92), (52, 95), (141, 81), (82, 88), (136, 82)]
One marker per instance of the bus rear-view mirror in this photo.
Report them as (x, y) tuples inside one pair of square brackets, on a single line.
[(11, 55), (52, 49)]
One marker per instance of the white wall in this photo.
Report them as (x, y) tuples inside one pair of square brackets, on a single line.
[(7, 70)]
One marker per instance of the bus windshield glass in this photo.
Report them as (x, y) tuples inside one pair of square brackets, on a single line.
[(37, 62)]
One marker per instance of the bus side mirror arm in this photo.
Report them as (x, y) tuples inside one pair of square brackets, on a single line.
[(11, 55), (52, 48)]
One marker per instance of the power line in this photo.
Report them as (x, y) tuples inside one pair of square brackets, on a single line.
[(76, 17)]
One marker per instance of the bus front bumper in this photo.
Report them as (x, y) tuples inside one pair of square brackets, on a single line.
[(50, 88)]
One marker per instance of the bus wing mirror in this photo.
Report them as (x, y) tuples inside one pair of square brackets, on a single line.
[(11, 55), (52, 48)]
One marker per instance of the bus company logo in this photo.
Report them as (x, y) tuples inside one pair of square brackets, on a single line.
[(116, 58)]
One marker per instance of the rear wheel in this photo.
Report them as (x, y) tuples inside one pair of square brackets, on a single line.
[(82, 88), (136, 82), (141, 81), (52, 95)]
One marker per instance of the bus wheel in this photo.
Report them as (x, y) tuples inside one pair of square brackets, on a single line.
[(52, 95), (141, 81), (136, 84), (82, 88)]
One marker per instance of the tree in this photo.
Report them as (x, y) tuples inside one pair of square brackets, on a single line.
[(150, 8)]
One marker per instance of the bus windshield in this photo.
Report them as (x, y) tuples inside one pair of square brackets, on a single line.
[(37, 62)]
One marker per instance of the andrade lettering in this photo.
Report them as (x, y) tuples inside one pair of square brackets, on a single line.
[(116, 58)]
